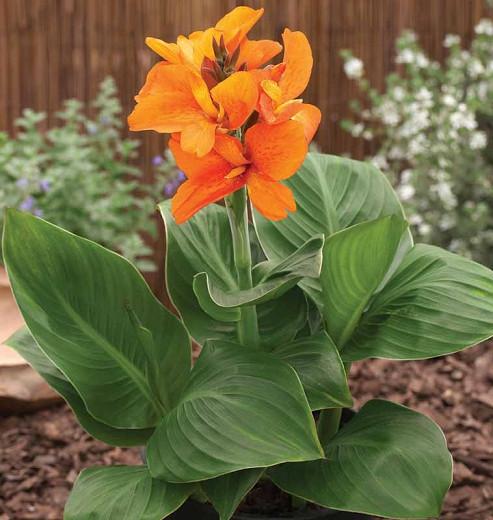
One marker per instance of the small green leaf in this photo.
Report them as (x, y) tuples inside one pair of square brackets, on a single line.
[(332, 193), (355, 263), (228, 491), (436, 303), (26, 346), (92, 314), (273, 280), (387, 461), (242, 409), (123, 493), (320, 369)]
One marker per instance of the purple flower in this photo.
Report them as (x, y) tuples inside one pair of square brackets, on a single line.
[(169, 189), (181, 176), (22, 182), (27, 204), (157, 160), (44, 185), (38, 212)]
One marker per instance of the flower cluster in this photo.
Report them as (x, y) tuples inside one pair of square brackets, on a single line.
[(433, 125), (234, 121)]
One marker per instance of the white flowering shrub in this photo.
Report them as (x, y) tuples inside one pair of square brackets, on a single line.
[(433, 129), (80, 175)]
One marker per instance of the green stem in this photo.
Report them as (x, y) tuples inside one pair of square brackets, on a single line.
[(328, 424), (237, 207)]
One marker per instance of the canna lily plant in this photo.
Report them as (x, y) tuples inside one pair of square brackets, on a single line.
[(307, 267)]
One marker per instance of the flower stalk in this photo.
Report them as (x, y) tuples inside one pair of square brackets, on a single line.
[(237, 208)]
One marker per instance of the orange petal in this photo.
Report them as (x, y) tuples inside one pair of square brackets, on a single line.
[(266, 108), (272, 89), (299, 62), (202, 95), (271, 198), (256, 53), (238, 96), (198, 137), (276, 150), (309, 116), (236, 24), (166, 102), (200, 169), (168, 51), (230, 149), (193, 196)]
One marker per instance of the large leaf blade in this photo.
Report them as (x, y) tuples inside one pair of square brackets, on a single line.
[(23, 342), (436, 303), (242, 409), (317, 362), (123, 493), (388, 461), (332, 193), (356, 261), (90, 312)]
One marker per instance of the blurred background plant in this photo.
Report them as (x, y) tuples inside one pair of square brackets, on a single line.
[(432, 128), (80, 176)]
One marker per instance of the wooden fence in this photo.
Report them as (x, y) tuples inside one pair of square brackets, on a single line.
[(51, 50)]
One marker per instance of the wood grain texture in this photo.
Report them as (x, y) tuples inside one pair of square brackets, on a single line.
[(51, 50)]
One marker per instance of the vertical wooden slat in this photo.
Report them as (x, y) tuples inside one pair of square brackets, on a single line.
[(51, 50)]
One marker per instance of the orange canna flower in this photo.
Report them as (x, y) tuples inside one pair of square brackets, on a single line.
[(211, 85), (280, 86), (177, 99), (270, 154), (202, 46)]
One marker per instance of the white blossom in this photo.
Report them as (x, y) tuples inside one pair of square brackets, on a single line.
[(445, 194), (424, 228), (398, 93), (446, 222), (406, 176), (406, 56), (475, 68), (357, 129), (380, 162), (353, 68), (422, 61), (449, 100), (415, 220), (484, 26), (478, 140), (406, 191), (463, 118), (451, 40)]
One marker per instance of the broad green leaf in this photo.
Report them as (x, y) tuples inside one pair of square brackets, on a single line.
[(203, 244), (227, 492), (320, 369), (94, 317), (332, 193), (123, 493), (273, 280), (23, 342), (387, 461), (241, 409), (355, 263), (436, 303)]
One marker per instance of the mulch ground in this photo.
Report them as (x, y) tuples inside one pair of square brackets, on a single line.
[(42, 453)]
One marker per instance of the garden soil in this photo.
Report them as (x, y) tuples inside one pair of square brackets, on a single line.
[(42, 453)]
